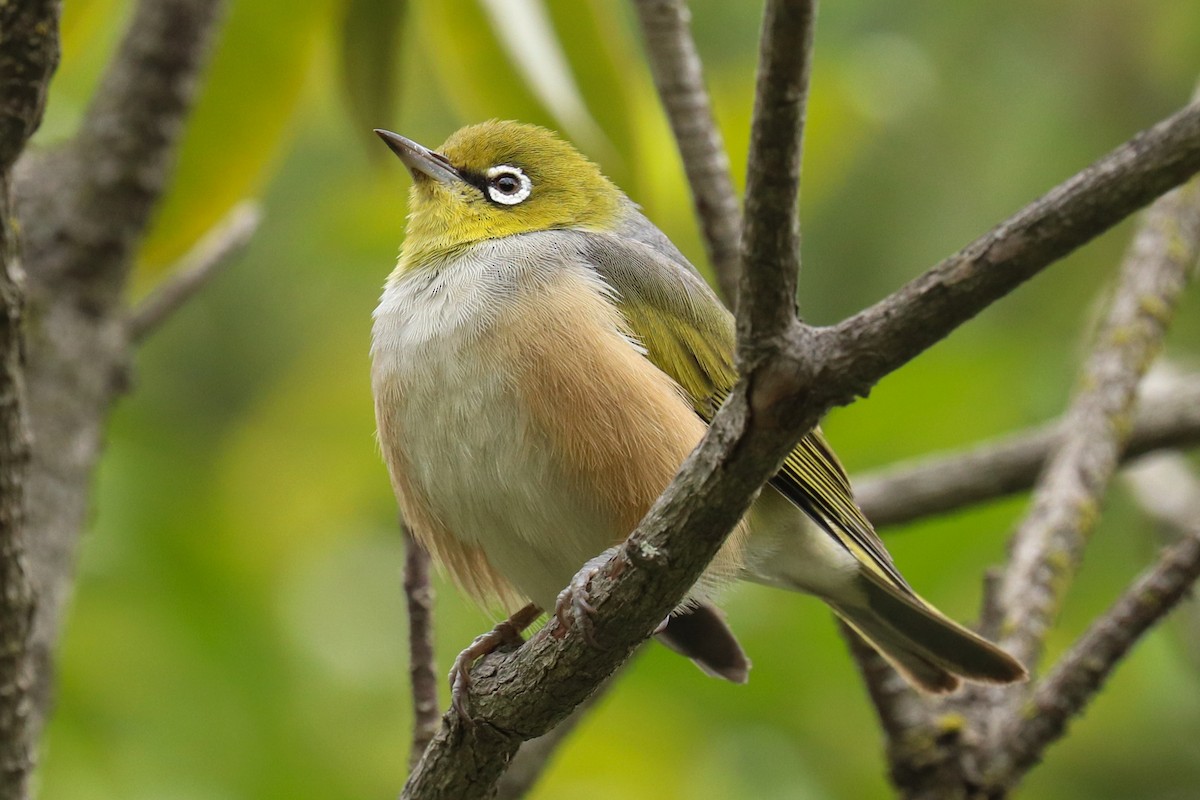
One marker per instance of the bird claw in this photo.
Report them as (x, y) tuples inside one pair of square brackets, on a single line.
[(506, 633), (573, 606)]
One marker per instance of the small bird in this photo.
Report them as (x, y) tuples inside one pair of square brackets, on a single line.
[(543, 361)]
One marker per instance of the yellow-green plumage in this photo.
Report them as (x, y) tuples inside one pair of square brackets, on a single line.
[(461, 216)]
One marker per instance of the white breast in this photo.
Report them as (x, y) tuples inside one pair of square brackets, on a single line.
[(472, 448)]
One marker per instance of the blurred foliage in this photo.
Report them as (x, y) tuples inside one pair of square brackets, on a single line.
[(371, 39), (238, 626)]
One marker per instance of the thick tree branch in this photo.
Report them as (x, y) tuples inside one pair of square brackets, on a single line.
[(1049, 543), (215, 250), (679, 78), (85, 207), (28, 57), (947, 482), (422, 662)]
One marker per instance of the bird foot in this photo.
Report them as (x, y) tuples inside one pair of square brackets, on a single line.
[(573, 606), (505, 634)]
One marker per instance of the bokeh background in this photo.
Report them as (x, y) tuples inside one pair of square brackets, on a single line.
[(238, 629)]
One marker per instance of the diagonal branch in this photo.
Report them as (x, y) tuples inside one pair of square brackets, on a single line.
[(215, 250), (530, 761), (942, 483), (1170, 492), (1081, 673), (679, 78), (1048, 544)]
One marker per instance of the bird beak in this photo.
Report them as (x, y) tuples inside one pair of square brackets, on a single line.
[(421, 161)]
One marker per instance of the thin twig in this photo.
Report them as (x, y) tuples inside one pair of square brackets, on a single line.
[(1049, 543), (941, 483), (422, 660), (679, 78), (214, 251)]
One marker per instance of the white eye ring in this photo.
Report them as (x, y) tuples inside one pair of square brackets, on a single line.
[(509, 198)]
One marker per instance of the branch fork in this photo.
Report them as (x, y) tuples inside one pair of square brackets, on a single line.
[(793, 373)]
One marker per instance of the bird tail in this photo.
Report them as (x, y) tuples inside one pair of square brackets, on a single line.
[(932, 651), (700, 633)]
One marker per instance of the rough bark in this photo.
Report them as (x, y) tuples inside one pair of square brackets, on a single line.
[(28, 57)]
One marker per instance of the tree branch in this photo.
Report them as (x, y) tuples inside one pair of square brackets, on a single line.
[(771, 228), (1049, 543), (1081, 673), (28, 57), (679, 78), (942, 483), (422, 662), (521, 694), (215, 250), (84, 207)]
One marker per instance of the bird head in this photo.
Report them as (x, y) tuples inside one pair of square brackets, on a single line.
[(498, 179)]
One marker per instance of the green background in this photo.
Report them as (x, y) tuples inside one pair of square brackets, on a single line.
[(238, 628)]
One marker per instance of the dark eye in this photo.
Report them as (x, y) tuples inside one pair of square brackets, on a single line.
[(508, 185)]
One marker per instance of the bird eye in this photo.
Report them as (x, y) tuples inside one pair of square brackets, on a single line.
[(508, 185)]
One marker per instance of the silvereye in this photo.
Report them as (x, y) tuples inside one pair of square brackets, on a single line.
[(544, 359)]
